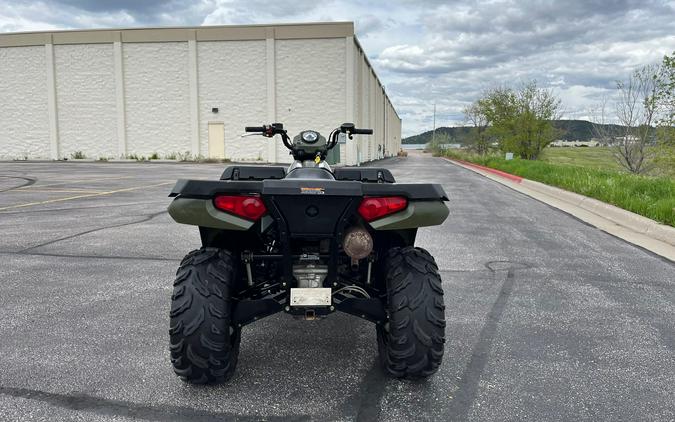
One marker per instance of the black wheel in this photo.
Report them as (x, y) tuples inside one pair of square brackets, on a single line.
[(411, 343), (204, 345)]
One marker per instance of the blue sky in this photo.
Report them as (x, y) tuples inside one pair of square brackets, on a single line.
[(427, 51)]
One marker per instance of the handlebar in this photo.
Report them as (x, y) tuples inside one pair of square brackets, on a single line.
[(350, 130), (347, 128), (269, 131)]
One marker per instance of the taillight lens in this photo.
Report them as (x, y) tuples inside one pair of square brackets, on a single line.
[(248, 207), (374, 208)]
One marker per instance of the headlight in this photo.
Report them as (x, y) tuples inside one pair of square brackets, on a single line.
[(310, 136)]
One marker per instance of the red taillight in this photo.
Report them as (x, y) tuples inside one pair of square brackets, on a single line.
[(249, 207), (374, 208)]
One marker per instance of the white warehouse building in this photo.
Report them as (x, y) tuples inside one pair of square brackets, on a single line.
[(173, 91)]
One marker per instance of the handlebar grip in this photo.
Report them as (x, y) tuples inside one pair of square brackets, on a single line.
[(254, 129), (362, 131)]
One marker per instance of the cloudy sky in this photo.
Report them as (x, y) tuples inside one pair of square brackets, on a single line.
[(427, 51)]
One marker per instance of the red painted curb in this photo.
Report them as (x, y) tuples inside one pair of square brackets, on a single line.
[(503, 174)]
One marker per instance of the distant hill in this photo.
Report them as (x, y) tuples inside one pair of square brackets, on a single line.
[(457, 134), (571, 130)]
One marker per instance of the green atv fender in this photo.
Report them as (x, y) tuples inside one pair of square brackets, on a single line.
[(201, 212)]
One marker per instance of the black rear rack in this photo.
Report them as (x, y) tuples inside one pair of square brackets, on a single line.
[(207, 189)]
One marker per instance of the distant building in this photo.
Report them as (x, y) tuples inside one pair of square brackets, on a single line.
[(445, 146), (628, 138), (116, 93), (566, 143)]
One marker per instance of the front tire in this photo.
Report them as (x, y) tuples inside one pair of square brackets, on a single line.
[(204, 344), (411, 343)]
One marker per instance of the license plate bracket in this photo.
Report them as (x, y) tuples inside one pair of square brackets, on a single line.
[(311, 296)]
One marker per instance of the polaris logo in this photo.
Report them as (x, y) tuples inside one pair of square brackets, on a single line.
[(313, 191)]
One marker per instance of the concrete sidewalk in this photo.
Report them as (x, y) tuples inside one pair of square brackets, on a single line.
[(631, 227)]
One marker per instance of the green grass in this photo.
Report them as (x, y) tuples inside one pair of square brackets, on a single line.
[(603, 158), (597, 157), (652, 197)]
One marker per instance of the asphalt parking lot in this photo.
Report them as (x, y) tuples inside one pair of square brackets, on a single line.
[(547, 317)]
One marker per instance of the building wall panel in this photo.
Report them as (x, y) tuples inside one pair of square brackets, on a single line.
[(377, 129), (365, 109), (374, 110), (310, 86), (24, 119), (232, 77), (157, 98), (351, 148), (85, 97), (380, 121)]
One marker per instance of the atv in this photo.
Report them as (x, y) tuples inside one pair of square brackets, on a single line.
[(307, 241)]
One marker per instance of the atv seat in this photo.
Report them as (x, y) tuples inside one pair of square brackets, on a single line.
[(253, 173), (364, 174), (310, 173)]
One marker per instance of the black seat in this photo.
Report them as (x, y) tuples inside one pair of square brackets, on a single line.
[(310, 173), (364, 174), (253, 173)]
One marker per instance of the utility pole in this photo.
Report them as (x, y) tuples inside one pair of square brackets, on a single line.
[(433, 134)]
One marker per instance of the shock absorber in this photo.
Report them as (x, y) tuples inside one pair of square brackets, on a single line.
[(246, 258)]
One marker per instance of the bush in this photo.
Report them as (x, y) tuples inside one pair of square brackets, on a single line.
[(136, 157), (186, 156), (201, 159), (78, 155), (664, 160)]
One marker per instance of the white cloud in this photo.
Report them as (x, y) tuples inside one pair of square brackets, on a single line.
[(427, 51)]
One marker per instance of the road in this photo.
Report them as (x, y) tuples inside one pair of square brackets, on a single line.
[(547, 317)]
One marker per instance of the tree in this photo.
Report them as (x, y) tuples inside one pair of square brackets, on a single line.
[(476, 116), (665, 131), (666, 86), (637, 109), (537, 108), (644, 137), (439, 143), (521, 120)]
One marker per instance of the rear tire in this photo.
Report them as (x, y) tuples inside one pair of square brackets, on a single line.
[(204, 344), (411, 344)]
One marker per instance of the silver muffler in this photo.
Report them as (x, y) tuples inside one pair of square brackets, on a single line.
[(357, 243)]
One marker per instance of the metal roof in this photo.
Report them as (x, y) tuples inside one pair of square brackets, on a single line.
[(199, 33)]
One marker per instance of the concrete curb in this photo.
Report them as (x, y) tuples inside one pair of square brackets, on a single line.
[(627, 225)]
